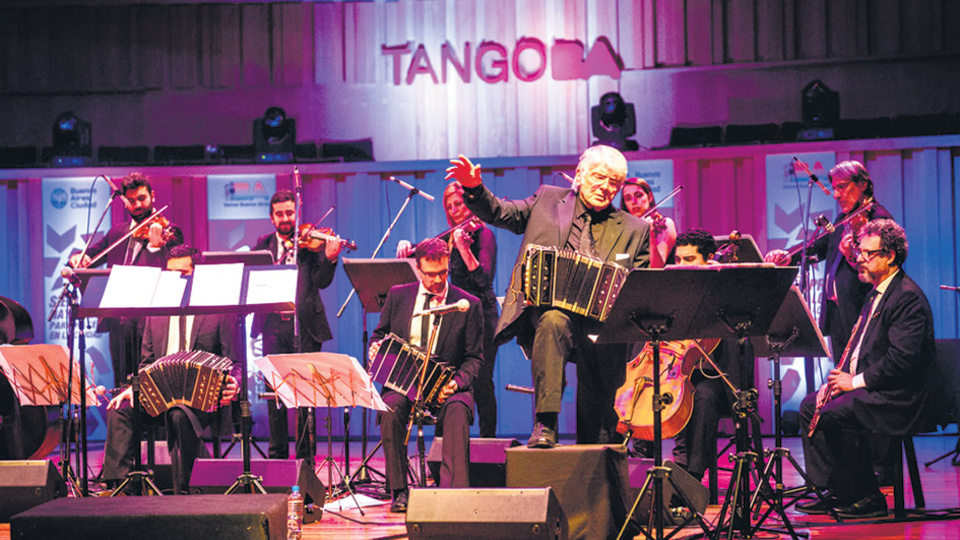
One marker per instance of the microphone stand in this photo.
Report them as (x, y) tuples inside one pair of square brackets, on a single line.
[(81, 355), (362, 473)]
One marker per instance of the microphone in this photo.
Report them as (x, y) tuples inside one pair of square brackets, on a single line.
[(70, 275), (412, 189), (822, 221), (567, 176), (296, 178), (116, 191), (461, 305), (803, 167)]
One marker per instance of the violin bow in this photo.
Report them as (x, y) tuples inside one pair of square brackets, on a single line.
[(123, 238)]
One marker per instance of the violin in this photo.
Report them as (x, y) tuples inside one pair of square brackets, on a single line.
[(851, 223), (143, 231), (634, 400), (311, 238)]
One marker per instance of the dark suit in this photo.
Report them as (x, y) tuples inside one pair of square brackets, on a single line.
[(696, 444), (554, 336), (895, 356), (211, 333), (314, 272), (124, 334), (838, 317), (460, 344)]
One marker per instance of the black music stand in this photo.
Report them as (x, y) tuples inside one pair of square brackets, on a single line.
[(91, 307), (691, 303), (259, 258), (372, 279), (793, 332)]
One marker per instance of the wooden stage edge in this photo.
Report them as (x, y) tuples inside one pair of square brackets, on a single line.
[(940, 520)]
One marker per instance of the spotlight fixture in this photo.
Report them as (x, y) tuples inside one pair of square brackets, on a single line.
[(71, 141), (820, 111), (613, 121), (274, 137)]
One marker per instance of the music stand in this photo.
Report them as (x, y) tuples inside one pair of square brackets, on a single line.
[(44, 375), (691, 303), (372, 279), (793, 332), (322, 380), (747, 250)]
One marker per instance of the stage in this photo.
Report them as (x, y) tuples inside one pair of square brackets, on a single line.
[(941, 487)]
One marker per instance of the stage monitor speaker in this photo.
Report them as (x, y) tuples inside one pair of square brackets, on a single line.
[(25, 484), (253, 517), (215, 476), (591, 482), (488, 514), (698, 493), (487, 461)]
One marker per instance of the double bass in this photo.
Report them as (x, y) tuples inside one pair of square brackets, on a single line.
[(634, 400)]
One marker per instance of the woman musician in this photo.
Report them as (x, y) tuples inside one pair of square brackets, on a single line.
[(638, 199), (473, 264)]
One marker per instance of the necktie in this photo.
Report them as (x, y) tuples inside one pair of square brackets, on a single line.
[(425, 321), (858, 330), (287, 251), (183, 332), (587, 244)]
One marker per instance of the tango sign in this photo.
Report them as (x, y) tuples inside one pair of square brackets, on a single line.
[(494, 63)]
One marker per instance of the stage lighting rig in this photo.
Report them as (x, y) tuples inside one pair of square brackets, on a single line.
[(613, 121), (71, 141), (274, 137)]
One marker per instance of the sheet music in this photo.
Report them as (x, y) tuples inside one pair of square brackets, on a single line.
[(38, 374), (309, 379), (170, 288), (216, 285), (130, 286), (272, 286)]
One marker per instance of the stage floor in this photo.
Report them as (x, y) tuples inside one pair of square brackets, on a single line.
[(941, 487)]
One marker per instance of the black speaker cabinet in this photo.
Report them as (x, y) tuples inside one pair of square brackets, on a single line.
[(215, 476), (253, 517), (485, 514), (591, 482), (25, 484), (487, 461)]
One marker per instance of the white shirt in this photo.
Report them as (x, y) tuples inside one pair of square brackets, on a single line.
[(173, 334), (858, 379), (438, 300)]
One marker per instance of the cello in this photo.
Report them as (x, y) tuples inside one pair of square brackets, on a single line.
[(634, 400)]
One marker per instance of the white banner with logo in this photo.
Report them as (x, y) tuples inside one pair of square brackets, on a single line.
[(71, 207)]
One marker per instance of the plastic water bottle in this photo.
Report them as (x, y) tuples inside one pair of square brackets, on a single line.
[(294, 513)]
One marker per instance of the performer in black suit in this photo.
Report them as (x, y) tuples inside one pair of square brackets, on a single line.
[(879, 385), (473, 265), (150, 250), (316, 264), (579, 218), (459, 343), (696, 444), (215, 334), (843, 293)]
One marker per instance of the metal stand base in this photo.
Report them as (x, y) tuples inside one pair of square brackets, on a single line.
[(142, 479)]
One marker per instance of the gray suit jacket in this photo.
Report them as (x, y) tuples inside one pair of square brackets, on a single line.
[(545, 219)]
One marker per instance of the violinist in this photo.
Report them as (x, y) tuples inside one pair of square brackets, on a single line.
[(473, 264), (696, 444), (843, 293), (148, 247), (638, 199), (316, 262)]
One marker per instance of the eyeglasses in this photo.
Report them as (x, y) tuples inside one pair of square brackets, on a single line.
[(442, 274), (841, 186), (600, 178), (867, 253)]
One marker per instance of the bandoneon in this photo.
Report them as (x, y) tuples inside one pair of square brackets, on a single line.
[(397, 366), (191, 378), (572, 281)]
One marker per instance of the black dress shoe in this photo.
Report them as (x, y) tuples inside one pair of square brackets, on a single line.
[(399, 503), (873, 506), (816, 507), (542, 437)]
